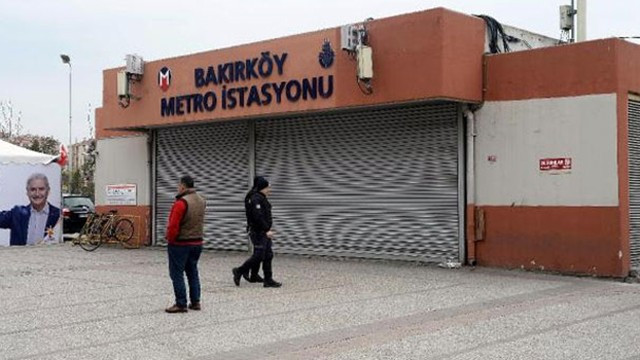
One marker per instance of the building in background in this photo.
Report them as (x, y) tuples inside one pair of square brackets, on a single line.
[(80, 153), (428, 136)]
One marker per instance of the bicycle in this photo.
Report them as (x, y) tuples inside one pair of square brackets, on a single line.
[(107, 227)]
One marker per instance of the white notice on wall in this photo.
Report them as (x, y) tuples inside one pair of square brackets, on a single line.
[(121, 194)]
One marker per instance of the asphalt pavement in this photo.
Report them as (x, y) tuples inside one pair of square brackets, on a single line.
[(60, 302)]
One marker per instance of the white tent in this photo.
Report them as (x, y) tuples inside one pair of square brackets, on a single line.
[(10, 153), (17, 164)]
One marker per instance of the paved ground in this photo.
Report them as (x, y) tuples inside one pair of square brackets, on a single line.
[(60, 302)]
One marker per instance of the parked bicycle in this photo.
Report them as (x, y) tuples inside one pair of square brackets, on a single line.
[(106, 227)]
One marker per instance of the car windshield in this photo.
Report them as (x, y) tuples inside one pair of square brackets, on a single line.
[(72, 202)]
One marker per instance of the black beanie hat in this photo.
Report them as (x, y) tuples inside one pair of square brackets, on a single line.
[(260, 183)]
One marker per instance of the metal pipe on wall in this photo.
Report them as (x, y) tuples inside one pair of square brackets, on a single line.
[(470, 133), (151, 141)]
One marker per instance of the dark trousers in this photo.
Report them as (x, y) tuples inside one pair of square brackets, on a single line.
[(255, 268), (262, 252), (184, 259)]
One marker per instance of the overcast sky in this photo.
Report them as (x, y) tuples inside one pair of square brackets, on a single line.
[(97, 34)]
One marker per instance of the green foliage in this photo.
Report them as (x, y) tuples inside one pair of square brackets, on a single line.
[(65, 181), (76, 182), (88, 170), (42, 144), (45, 144), (81, 180)]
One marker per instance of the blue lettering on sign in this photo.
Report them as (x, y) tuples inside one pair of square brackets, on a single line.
[(168, 107), (254, 68), (241, 92), (179, 110), (210, 101), (251, 68), (231, 102), (187, 104), (309, 88), (260, 67), (253, 96), (280, 62), (199, 77), (197, 103), (325, 93), (222, 73), (266, 94), (239, 70), (293, 90), (278, 89), (211, 76)]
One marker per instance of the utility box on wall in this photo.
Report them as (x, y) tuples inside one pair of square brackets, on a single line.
[(365, 62), (135, 65), (123, 84)]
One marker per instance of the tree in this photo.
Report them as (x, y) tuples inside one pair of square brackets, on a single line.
[(65, 181), (80, 181), (76, 182), (35, 145), (44, 144), (88, 169)]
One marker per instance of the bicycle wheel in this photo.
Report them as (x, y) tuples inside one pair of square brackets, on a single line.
[(87, 224), (89, 242), (96, 226), (124, 230)]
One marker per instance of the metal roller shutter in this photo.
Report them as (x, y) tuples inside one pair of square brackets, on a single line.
[(634, 181), (377, 183), (217, 156)]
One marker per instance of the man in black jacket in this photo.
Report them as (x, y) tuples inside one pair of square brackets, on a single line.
[(258, 210)]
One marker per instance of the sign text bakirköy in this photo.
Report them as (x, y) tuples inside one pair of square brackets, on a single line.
[(231, 96)]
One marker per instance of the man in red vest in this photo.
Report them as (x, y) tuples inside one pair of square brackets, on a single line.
[(184, 238)]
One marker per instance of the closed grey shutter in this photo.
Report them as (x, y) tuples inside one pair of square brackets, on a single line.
[(377, 183), (216, 155), (634, 182)]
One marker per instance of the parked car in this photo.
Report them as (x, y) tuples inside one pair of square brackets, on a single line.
[(75, 210)]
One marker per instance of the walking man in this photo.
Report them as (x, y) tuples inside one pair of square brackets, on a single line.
[(259, 221), (184, 238), (254, 275)]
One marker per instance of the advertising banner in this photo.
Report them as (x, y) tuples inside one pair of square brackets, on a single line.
[(30, 211)]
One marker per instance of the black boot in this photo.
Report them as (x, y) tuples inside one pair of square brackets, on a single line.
[(236, 276), (272, 284), (253, 278)]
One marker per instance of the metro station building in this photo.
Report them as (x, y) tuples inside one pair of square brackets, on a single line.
[(446, 152)]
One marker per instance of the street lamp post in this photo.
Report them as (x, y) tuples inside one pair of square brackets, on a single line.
[(67, 60)]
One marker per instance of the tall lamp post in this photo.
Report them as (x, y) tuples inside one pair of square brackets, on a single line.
[(67, 60)]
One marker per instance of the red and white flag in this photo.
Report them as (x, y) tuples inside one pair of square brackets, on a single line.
[(61, 159)]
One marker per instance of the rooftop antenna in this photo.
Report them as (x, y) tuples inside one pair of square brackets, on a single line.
[(566, 22), (569, 22)]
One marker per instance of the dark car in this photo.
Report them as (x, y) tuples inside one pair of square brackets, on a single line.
[(75, 210)]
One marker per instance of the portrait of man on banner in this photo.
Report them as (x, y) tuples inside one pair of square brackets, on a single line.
[(38, 221)]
